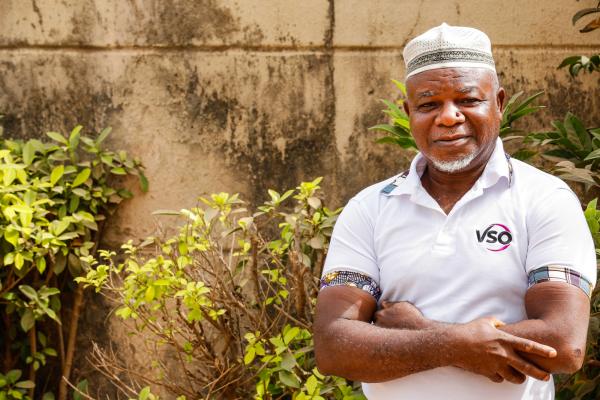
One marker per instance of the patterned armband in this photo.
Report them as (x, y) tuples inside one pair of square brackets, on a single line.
[(354, 279), (557, 273)]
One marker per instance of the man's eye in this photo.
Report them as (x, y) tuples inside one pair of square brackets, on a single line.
[(426, 106), (470, 100)]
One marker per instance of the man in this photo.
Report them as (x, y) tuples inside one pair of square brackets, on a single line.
[(469, 276)]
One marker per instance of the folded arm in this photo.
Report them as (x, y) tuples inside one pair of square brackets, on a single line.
[(348, 345), (558, 316)]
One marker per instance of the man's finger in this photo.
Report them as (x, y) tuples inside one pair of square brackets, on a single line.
[(512, 375), (531, 347), (527, 368), (496, 378)]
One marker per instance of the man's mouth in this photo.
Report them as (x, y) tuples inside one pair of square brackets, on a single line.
[(452, 140)]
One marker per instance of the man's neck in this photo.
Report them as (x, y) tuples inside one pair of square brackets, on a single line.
[(447, 188)]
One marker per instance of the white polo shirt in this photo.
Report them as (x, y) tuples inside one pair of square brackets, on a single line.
[(473, 262)]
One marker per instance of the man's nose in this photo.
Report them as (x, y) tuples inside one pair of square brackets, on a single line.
[(449, 115)]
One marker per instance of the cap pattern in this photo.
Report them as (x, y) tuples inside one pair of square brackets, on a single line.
[(448, 46), (449, 56)]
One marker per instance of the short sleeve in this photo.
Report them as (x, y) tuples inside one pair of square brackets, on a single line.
[(352, 244), (559, 236)]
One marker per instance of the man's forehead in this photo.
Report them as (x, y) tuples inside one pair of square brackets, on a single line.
[(460, 89)]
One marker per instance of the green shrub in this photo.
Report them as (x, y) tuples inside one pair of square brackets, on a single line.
[(231, 297), (54, 199)]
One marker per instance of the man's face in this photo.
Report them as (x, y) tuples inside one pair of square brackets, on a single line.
[(455, 116)]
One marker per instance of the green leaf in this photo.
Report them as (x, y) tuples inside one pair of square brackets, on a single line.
[(569, 61), (50, 352), (291, 334), (103, 135), (288, 361), (40, 263), (25, 385), (149, 295), (119, 171), (60, 263), (28, 152), (81, 177), (289, 379), (19, 261), (28, 291), (582, 13), (14, 375), (249, 356), (57, 137), (9, 258), (56, 174), (593, 155), (59, 226), (576, 125), (74, 204), (311, 384), (27, 320), (12, 236), (144, 393), (74, 137), (144, 182), (82, 387), (400, 86)]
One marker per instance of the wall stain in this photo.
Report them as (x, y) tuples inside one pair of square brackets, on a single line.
[(181, 22)]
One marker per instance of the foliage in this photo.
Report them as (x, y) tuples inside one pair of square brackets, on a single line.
[(585, 384), (398, 130), (574, 148), (580, 63), (231, 296), (54, 198)]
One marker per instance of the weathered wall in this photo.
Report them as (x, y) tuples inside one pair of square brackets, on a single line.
[(243, 95), (240, 96)]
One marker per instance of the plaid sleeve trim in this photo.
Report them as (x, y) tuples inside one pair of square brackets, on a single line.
[(354, 279), (556, 273)]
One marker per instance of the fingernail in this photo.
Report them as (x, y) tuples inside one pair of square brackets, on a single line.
[(547, 378)]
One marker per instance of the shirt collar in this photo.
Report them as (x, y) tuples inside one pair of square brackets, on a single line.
[(496, 168)]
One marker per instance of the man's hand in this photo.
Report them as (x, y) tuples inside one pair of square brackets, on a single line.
[(401, 315), (485, 350)]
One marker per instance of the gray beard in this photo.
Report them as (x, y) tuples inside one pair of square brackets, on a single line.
[(450, 167)]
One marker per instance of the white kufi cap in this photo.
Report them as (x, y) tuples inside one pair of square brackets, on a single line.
[(448, 46)]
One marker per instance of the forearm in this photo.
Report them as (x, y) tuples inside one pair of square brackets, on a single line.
[(570, 348), (556, 334), (364, 352)]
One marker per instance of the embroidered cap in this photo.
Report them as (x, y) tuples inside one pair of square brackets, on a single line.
[(448, 46)]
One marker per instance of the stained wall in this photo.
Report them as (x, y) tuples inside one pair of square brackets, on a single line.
[(245, 95)]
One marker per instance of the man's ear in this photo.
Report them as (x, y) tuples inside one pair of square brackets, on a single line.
[(405, 106), (500, 99)]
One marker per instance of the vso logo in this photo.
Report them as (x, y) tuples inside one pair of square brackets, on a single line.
[(497, 235)]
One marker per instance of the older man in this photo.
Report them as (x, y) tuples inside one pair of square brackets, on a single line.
[(468, 276)]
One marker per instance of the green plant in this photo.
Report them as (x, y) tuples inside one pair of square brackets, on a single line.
[(231, 295), (585, 384), (574, 148), (580, 63), (398, 129), (54, 199)]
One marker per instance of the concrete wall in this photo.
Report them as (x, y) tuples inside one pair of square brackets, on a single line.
[(245, 95)]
